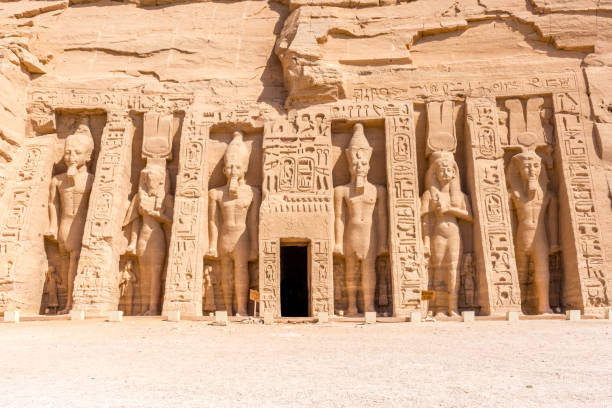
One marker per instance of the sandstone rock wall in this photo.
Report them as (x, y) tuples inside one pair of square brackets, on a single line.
[(295, 76)]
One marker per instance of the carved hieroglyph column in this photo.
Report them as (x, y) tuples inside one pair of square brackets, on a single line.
[(407, 264), (586, 282), (23, 218), (189, 238), (96, 285), (499, 289)]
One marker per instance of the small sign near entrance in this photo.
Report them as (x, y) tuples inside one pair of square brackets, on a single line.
[(254, 295), (428, 295)]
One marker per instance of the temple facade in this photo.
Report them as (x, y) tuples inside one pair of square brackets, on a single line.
[(383, 181)]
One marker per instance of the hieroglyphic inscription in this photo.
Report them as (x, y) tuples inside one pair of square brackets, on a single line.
[(21, 280), (96, 286), (321, 281), (586, 240), (297, 160), (517, 85), (407, 265), (493, 228), (188, 243), (269, 276)]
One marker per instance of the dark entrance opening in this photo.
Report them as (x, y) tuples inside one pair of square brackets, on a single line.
[(294, 281)]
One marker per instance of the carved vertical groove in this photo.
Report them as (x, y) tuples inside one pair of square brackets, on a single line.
[(493, 241), (407, 271), (189, 233), (586, 281)]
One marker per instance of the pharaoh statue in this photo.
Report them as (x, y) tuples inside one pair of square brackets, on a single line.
[(536, 234), (364, 236), (74, 187), (148, 221), (442, 205), (233, 240)]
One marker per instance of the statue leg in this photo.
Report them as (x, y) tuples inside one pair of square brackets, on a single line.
[(155, 288), (438, 245), (368, 282), (541, 280), (453, 252), (227, 278), (72, 269), (522, 267), (241, 284), (351, 274)]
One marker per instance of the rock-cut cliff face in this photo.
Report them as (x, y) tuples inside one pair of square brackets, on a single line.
[(271, 60)]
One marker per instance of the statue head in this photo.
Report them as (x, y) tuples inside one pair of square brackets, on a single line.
[(154, 180), (444, 167), (443, 171), (359, 153), (236, 161), (78, 148), (529, 165)]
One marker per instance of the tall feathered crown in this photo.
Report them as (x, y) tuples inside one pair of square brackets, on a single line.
[(237, 151)]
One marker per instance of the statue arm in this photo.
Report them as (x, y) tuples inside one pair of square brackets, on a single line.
[(52, 206), (338, 221), (464, 212), (253, 225), (382, 220), (132, 224), (426, 222), (553, 223), (213, 232)]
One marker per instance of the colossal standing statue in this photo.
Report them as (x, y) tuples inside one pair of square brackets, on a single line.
[(148, 220), (442, 204), (360, 243), (536, 207), (236, 242), (74, 188)]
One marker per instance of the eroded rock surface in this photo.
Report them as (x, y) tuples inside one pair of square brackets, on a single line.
[(505, 102)]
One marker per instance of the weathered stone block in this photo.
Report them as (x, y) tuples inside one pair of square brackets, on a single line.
[(370, 317), (468, 316), (11, 316), (415, 317), (573, 315), (512, 316), (115, 316), (77, 315), (221, 317), (174, 315), (323, 317)]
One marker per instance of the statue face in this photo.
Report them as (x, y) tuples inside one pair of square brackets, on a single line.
[(359, 165), (76, 153), (154, 180), (445, 171), (234, 169), (530, 169)]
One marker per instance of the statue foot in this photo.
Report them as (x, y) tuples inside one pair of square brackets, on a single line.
[(546, 310), (440, 314), (453, 313), (64, 311), (151, 312)]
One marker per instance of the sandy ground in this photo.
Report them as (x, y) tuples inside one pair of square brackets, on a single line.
[(146, 362)]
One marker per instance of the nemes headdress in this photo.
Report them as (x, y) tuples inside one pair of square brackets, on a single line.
[(359, 145), (237, 151)]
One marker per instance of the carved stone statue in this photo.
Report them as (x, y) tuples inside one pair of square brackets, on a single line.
[(442, 205), (536, 234), (468, 281), (208, 290), (74, 188), (126, 287), (52, 281), (235, 243), (365, 234), (148, 220)]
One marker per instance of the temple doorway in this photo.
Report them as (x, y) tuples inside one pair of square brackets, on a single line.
[(294, 280)]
